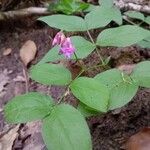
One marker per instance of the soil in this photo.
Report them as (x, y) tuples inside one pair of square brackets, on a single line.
[(110, 131)]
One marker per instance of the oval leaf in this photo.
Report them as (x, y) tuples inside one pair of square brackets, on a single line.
[(64, 22), (121, 91), (49, 74), (91, 93), (66, 129), (83, 47), (122, 36), (106, 3), (87, 111), (102, 16), (144, 44), (135, 15), (147, 20), (122, 94), (28, 107), (109, 78), (141, 74)]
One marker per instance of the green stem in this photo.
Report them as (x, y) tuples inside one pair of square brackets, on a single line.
[(92, 40), (96, 66), (77, 59), (89, 34), (68, 86), (129, 21), (64, 95), (83, 69)]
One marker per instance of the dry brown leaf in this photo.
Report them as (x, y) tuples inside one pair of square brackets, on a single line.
[(6, 141), (139, 141), (28, 52), (7, 51)]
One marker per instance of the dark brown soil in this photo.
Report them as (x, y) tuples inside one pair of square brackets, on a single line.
[(110, 131)]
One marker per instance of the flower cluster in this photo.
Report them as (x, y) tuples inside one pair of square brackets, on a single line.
[(66, 47)]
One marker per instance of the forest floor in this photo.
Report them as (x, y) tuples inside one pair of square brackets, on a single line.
[(109, 132)]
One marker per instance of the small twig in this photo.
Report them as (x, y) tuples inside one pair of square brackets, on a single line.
[(25, 73), (31, 11), (131, 6)]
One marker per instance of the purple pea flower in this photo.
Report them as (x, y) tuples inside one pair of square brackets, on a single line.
[(59, 39), (67, 49)]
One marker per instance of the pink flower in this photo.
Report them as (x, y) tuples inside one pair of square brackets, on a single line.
[(59, 39), (67, 49)]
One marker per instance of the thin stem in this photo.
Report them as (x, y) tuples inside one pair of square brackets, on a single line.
[(92, 40), (77, 59), (64, 95), (83, 70), (124, 79), (126, 19), (96, 66), (77, 76), (68, 86)]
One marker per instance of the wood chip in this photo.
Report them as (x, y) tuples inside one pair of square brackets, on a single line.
[(7, 51)]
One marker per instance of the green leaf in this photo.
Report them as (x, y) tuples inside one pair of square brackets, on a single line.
[(144, 43), (87, 111), (135, 15), (147, 20), (68, 6), (117, 17), (91, 93), (51, 56), (106, 3), (64, 22), (141, 74), (121, 91), (109, 78), (83, 47), (122, 36), (102, 16), (90, 8), (122, 94), (28, 107), (61, 6), (66, 129), (49, 74), (82, 6)]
